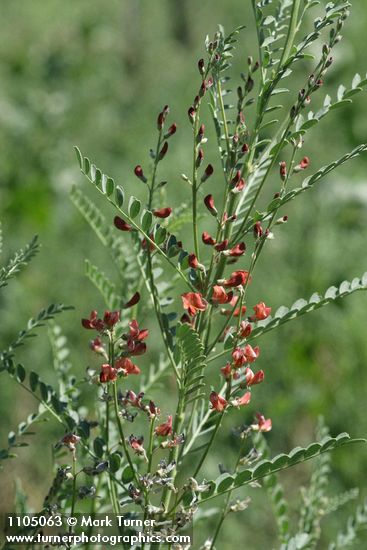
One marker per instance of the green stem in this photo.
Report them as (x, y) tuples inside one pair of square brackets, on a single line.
[(292, 29), (121, 433), (73, 498)]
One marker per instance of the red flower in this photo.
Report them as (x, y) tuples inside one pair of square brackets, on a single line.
[(132, 399), (127, 366), (221, 246), (209, 203), (261, 311), (240, 186), (238, 357), (97, 345), (134, 338), (263, 425), (92, 322), (305, 163), (237, 278), (152, 409), (110, 318), (70, 440), (283, 170), (248, 354), (193, 302), (253, 379), (236, 251), (133, 301), (163, 212), (138, 171), (245, 329), (251, 353), (218, 402), (136, 443), (136, 333), (226, 371), (258, 230), (207, 239), (165, 428), (121, 224), (220, 295), (193, 261), (107, 374), (242, 401)]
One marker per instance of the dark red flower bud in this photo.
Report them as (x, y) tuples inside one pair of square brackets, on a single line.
[(245, 148), (221, 246), (258, 230), (138, 171), (162, 212), (201, 66), (201, 131), (209, 203), (207, 239), (160, 121), (163, 151), (185, 318), (134, 300), (191, 112), (121, 224), (193, 261), (207, 173), (171, 130), (236, 178), (240, 186), (283, 170), (249, 84), (199, 158)]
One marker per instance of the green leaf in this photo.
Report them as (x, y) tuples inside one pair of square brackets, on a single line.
[(146, 221), (98, 446), (127, 474), (189, 352), (134, 207), (115, 461), (21, 374), (119, 196), (33, 380), (19, 261)]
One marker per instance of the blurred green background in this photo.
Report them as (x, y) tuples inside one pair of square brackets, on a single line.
[(96, 74)]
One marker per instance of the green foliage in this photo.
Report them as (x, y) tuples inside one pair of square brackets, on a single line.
[(355, 525), (275, 490), (18, 261), (227, 482), (189, 354)]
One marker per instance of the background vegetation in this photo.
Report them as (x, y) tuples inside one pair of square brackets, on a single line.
[(96, 74)]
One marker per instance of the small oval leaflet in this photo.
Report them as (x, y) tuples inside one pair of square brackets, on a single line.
[(134, 207)]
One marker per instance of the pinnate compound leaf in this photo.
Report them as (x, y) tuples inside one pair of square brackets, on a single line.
[(227, 482)]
